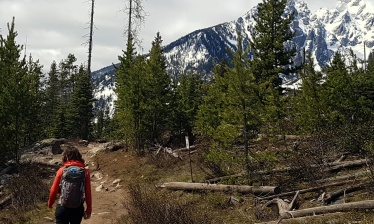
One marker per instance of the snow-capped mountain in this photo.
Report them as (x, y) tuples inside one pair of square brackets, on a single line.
[(348, 26)]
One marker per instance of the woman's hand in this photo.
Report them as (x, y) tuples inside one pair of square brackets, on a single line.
[(86, 216)]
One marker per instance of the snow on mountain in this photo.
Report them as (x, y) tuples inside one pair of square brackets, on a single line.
[(348, 26)]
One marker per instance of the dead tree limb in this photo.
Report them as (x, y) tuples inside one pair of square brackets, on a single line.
[(221, 187), (334, 166), (184, 149), (346, 164), (305, 219), (4, 202), (335, 195), (347, 207), (343, 177), (303, 190), (282, 205)]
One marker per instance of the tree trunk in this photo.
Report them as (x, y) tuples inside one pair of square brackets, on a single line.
[(335, 195), (221, 187), (343, 177), (303, 190), (347, 207), (5, 201)]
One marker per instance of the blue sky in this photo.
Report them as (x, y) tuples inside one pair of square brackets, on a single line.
[(51, 29)]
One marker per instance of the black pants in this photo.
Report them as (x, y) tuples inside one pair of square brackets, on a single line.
[(69, 215)]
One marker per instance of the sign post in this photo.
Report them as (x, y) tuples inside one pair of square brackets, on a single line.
[(189, 154)]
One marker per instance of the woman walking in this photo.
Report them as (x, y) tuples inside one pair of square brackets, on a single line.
[(73, 185)]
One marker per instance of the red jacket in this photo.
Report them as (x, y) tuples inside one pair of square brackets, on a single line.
[(55, 189)]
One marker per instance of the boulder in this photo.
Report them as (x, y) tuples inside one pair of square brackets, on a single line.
[(83, 142)]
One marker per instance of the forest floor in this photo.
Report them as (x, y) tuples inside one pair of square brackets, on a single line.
[(112, 174), (108, 198)]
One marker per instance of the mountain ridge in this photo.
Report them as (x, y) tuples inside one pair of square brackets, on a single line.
[(321, 34)]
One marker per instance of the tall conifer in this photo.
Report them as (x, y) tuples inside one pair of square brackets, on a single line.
[(159, 89)]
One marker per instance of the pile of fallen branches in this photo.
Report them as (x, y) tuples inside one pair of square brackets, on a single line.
[(331, 191)]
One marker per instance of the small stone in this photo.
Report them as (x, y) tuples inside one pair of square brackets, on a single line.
[(116, 181), (100, 187)]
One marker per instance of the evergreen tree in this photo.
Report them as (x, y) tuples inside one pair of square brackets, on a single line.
[(339, 91), (103, 124), (189, 98), (228, 114), (52, 97), (132, 89), (311, 104), (370, 63), (271, 43), (64, 118), (82, 105), (209, 113), (123, 114), (243, 101), (272, 56), (34, 118), (19, 98), (159, 90)]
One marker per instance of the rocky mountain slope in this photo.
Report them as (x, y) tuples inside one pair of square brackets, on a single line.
[(349, 26)]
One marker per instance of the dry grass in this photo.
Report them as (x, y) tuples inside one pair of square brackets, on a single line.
[(28, 190), (148, 204)]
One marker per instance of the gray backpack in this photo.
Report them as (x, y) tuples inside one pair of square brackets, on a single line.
[(72, 186)]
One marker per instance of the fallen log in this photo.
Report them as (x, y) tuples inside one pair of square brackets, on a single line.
[(303, 190), (334, 166), (183, 149), (4, 202), (305, 219), (343, 177), (335, 195), (347, 207), (221, 187), (346, 164)]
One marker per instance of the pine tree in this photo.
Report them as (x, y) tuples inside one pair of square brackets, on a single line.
[(272, 56), (243, 101), (213, 102), (132, 87), (159, 90), (189, 98), (271, 44), (64, 118), (19, 98), (339, 91), (82, 105), (311, 104), (123, 115), (228, 113), (52, 97), (34, 118)]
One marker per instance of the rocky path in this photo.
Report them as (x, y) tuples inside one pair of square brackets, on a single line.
[(108, 193)]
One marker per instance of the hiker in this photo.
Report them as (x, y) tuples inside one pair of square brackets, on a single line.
[(73, 184)]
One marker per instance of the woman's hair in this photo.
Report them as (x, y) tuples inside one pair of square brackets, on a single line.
[(72, 153)]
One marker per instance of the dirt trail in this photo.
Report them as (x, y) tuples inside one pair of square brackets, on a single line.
[(108, 193), (107, 197)]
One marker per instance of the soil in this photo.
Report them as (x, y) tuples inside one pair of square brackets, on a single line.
[(108, 191)]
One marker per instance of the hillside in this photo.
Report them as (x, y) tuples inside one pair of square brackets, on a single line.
[(320, 33), (139, 179)]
